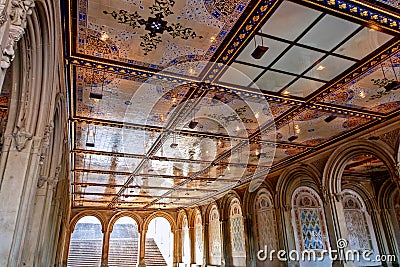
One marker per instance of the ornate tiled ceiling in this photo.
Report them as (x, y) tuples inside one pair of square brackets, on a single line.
[(169, 108)]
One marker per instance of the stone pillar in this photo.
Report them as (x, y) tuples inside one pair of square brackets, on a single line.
[(192, 237), (106, 246), (142, 249), (250, 259), (18, 188), (177, 247), (336, 225), (225, 244), (206, 242)]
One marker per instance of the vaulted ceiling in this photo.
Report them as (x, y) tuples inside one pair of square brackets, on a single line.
[(169, 107)]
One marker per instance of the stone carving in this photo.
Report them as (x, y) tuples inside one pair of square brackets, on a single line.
[(14, 36), (20, 9), (41, 181), (21, 137), (3, 14), (391, 138)]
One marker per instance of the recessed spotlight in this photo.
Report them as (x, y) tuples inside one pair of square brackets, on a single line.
[(285, 92), (128, 103), (212, 39), (259, 51), (320, 67)]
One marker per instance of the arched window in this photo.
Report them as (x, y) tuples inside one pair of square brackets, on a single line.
[(214, 237), (264, 221), (310, 226), (123, 247), (86, 243), (159, 243), (198, 227), (185, 241), (356, 222), (237, 233)]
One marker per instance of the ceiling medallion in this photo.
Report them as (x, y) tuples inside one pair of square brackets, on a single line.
[(154, 25)]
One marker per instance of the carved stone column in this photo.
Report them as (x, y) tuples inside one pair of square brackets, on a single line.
[(142, 249)]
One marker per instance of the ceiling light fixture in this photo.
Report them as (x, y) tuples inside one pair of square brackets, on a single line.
[(259, 50), (294, 136), (330, 118), (193, 124), (394, 84), (320, 67), (174, 144), (91, 136), (96, 95)]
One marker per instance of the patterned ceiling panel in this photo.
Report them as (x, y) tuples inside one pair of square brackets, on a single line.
[(372, 90), (155, 34), (111, 139), (104, 162), (300, 57), (313, 127), (154, 125)]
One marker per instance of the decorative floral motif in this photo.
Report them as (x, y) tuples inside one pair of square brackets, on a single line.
[(221, 9), (154, 25)]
